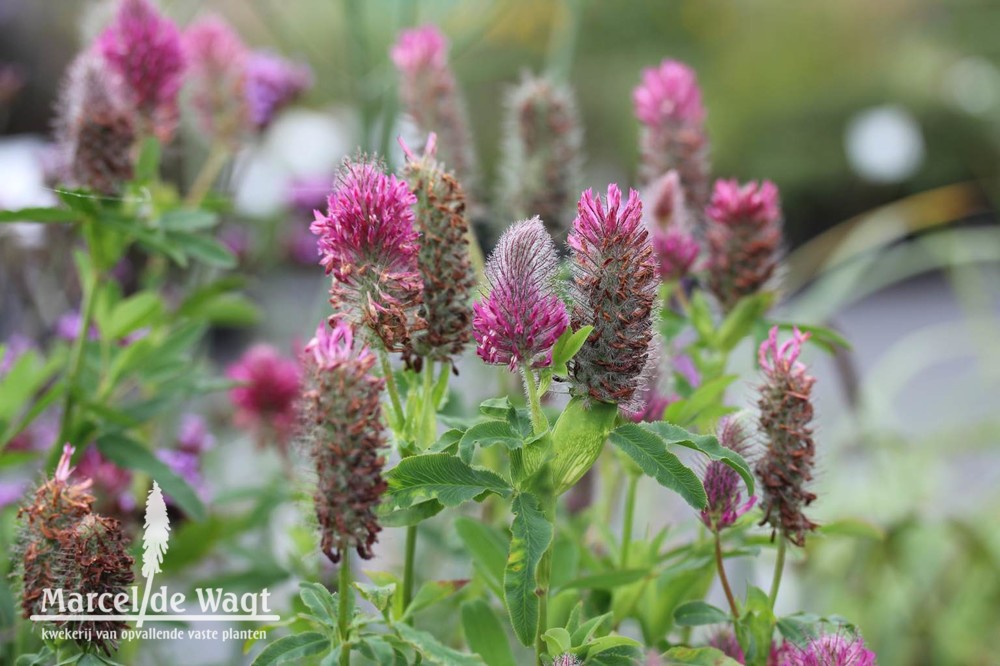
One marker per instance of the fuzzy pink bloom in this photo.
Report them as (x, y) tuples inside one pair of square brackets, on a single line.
[(785, 414), (272, 83), (368, 243), (333, 346), (676, 253), (668, 104), (145, 48), (217, 60), (651, 407), (431, 96), (732, 203), (744, 239), (725, 642), (521, 317), (668, 93), (95, 128), (831, 650), (666, 217), (723, 484), (614, 287), (269, 387)]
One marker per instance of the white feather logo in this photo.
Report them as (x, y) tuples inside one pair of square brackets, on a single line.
[(155, 538)]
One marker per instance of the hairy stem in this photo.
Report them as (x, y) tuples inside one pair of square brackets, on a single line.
[(539, 423), (630, 494), (216, 159), (390, 385), (344, 610), (411, 551), (724, 579), (779, 568)]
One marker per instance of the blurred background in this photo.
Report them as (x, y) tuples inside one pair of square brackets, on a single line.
[(879, 122)]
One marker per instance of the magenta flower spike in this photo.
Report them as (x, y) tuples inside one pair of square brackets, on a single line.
[(269, 386), (831, 650), (614, 287), (520, 319), (432, 98), (217, 61), (744, 239), (669, 107), (668, 221), (343, 410), (144, 48), (723, 484), (785, 414), (368, 243), (272, 83)]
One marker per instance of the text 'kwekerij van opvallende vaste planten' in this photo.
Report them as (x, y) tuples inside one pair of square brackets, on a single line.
[(604, 321)]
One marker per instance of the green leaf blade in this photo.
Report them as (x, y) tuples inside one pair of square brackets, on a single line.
[(649, 451), (531, 534)]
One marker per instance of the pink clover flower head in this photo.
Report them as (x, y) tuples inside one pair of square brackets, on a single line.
[(668, 93), (420, 48), (269, 386), (520, 319), (145, 48)]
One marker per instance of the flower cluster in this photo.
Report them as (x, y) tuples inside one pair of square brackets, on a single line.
[(272, 82), (62, 544), (217, 60), (269, 386), (744, 239), (431, 95), (831, 650), (343, 412), (144, 48), (368, 244), (785, 414), (666, 217), (668, 104), (614, 287), (542, 153), (95, 128), (722, 483), (521, 317), (443, 258)]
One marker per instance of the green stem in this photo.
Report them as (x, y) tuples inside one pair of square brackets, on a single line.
[(542, 578), (76, 359), (538, 421), (779, 568), (344, 610), (390, 385), (428, 427), (216, 159), (724, 579), (630, 494), (411, 550)]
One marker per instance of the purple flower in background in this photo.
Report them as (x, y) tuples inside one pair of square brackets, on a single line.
[(70, 324), (667, 219), (723, 484), (186, 465), (144, 47), (420, 49), (11, 493), (307, 194), (193, 435), (668, 104), (15, 347), (217, 60), (272, 82), (685, 367), (368, 243), (614, 287), (725, 642), (269, 386), (521, 317), (111, 483)]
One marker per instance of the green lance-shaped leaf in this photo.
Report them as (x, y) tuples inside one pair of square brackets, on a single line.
[(439, 476), (578, 438), (649, 451), (707, 444), (531, 534)]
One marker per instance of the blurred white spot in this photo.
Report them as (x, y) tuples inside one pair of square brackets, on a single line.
[(23, 185), (973, 85), (884, 144), (300, 144)]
